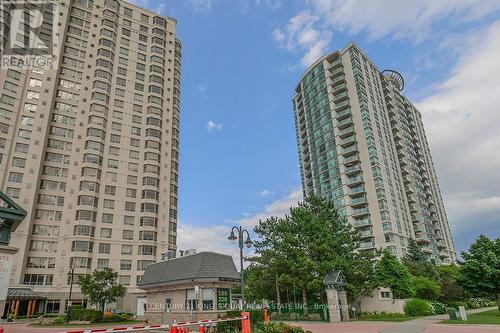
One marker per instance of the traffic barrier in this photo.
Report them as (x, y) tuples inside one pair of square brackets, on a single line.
[(180, 327), (121, 329)]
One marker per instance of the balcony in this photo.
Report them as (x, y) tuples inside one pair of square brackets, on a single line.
[(360, 212), (441, 245), (343, 114), (338, 80), (344, 123), (366, 233), (346, 132), (347, 141), (422, 239), (361, 223), (366, 245), (356, 180), (352, 169), (351, 159), (443, 254), (358, 201), (357, 190), (350, 150), (341, 105)]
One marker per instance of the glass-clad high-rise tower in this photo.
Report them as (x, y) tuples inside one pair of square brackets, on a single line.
[(362, 144)]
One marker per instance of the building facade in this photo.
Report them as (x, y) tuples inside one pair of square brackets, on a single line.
[(362, 144), (90, 150)]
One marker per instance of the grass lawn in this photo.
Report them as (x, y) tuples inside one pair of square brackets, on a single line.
[(106, 324), (491, 317), (395, 319)]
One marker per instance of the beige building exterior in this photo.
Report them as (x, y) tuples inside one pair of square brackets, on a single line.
[(91, 150), (362, 144), (192, 287)]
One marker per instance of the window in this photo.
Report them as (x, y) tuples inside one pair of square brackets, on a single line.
[(131, 192), (82, 246), (107, 218), (104, 248), (143, 264), (147, 250), (191, 301), (128, 234), (385, 294), (25, 134), (207, 298), (126, 249), (124, 280), (129, 206), (18, 162), (16, 177), (128, 220), (109, 204), (83, 230), (102, 263), (126, 265), (109, 189), (21, 148), (106, 233), (13, 192)]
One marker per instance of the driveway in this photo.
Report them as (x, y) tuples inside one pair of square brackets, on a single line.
[(421, 325)]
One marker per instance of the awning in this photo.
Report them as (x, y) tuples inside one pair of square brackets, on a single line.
[(22, 294)]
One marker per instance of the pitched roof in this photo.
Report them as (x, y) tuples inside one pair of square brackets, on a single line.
[(22, 294), (199, 266)]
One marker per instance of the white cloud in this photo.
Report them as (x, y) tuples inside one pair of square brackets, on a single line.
[(214, 238), (212, 126), (409, 18), (300, 34), (202, 5), (462, 122), (278, 207), (265, 193), (310, 30)]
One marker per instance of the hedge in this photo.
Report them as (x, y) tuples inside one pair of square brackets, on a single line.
[(418, 307), (80, 314)]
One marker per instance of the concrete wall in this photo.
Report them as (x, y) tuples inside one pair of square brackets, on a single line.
[(375, 302)]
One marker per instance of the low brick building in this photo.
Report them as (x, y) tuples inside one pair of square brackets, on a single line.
[(196, 286)]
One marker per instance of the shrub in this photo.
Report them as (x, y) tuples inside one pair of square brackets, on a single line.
[(418, 307), (437, 307), (118, 317), (80, 314), (59, 320), (256, 321), (380, 315), (425, 288), (456, 304), (279, 327), (475, 303)]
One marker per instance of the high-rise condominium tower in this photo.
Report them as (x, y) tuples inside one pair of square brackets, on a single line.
[(362, 144), (90, 150)]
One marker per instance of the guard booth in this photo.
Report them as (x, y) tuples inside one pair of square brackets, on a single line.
[(11, 215), (336, 296)]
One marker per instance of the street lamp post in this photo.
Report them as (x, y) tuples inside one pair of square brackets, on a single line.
[(248, 242), (71, 272)]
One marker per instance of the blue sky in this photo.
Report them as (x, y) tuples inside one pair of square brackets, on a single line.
[(243, 58)]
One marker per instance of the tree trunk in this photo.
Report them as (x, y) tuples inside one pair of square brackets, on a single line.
[(278, 296), (304, 301)]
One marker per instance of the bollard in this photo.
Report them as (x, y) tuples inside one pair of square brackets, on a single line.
[(245, 323), (266, 315), (201, 329)]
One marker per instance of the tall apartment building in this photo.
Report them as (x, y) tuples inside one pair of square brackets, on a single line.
[(91, 148), (362, 144)]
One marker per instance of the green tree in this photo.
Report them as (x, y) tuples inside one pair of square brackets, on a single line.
[(414, 253), (391, 273), (417, 263), (447, 279), (102, 287), (480, 272), (426, 288), (301, 248)]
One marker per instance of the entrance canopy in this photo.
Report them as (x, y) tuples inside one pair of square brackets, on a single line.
[(22, 294)]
